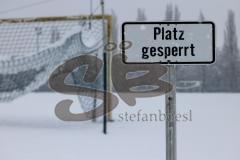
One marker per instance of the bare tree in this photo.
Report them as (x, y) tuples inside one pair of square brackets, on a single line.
[(203, 68), (55, 35), (169, 13), (201, 17), (230, 54), (177, 14), (141, 16)]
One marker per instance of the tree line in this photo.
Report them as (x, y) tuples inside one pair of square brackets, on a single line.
[(223, 75)]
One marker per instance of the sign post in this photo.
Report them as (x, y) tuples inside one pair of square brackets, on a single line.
[(169, 43), (170, 109)]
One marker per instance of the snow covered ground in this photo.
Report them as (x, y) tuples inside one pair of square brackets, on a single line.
[(29, 130)]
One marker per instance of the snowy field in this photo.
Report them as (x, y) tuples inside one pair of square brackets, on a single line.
[(29, 130)]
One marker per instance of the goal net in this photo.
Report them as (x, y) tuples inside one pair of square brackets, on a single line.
[(30, 50)]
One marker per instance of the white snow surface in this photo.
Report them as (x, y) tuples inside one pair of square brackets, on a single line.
[(29, 130)]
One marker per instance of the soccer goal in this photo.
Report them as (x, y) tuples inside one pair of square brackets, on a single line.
[(31, 48)]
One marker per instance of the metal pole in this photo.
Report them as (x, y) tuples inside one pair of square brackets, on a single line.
[(96, 65), (105, 95), (104, 73), (170, 98)]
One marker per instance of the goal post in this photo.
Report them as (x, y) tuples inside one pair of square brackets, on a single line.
[(29, 39)]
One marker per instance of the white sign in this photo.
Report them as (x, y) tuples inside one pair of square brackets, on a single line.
[(169, 42)]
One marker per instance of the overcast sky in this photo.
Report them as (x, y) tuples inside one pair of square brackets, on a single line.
[(214, 10)]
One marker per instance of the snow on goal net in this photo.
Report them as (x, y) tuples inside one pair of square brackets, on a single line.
[(30, 49)]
